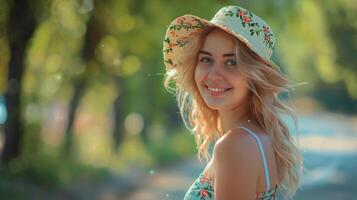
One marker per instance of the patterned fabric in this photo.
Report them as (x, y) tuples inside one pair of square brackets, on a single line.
[(202, 189), (235, 20)]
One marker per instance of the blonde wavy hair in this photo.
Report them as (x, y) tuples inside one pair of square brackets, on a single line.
[(265, 84)]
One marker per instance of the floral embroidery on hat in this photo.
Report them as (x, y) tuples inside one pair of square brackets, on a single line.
[(170, 45), (246, 18), (267, 35), (191, 26)]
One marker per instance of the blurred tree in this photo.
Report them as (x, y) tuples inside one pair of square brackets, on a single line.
[(95, 43), (118, 118), (92, 37), (106, 57), (20, 27), (342, 28)]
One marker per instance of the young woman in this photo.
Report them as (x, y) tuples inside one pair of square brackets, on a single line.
[(227, 91)]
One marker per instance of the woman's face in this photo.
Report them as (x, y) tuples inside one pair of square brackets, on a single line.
[(217, 77)]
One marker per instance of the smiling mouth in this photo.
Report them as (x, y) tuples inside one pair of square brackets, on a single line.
[(216, 91)]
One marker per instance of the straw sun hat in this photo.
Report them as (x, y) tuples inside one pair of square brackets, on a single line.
[(241, 23)]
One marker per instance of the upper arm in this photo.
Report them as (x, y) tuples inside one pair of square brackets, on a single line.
[(236, 167)]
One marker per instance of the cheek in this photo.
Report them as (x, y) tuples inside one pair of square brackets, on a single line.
[(245, 88), (241, 83), (199, 74)]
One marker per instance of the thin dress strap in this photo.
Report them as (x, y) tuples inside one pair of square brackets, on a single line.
[(266, 171)]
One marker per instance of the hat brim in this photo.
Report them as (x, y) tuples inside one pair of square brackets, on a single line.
[(183, 28)]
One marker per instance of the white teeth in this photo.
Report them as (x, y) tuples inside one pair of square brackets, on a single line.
[(217, 89)]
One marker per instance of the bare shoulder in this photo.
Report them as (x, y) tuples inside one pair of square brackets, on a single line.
[(236, 165), (235, 143)]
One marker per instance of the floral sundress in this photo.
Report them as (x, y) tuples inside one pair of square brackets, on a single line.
[(202, 189)]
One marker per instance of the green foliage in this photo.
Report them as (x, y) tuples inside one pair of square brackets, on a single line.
[(173, 147), (48, 172)]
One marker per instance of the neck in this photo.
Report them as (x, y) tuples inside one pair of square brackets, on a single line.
[(229, 119)]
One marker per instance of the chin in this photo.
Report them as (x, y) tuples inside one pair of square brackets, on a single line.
[(215, 106)]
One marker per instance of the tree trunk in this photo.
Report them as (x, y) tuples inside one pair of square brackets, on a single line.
[(118, 118), (20, 28), (91, 40), (79, 88)]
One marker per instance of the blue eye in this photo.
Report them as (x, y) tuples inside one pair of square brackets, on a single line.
[(231, 63), (205, 60)]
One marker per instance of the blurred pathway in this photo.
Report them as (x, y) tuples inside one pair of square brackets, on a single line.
[(329, 143)]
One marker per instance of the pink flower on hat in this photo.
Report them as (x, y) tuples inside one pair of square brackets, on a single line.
[(266, 29), (247, 19), (267, 36), (241, 13), (172, 45), (180, 20)]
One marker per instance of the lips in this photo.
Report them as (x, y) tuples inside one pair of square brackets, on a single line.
[(217, 90)]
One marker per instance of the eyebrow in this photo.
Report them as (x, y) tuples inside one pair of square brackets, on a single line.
[(208, 53)]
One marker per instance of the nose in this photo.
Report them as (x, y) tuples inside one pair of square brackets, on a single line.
[(215, 73)]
